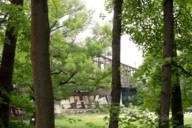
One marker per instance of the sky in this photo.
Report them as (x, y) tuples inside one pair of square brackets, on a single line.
[(130, 53)]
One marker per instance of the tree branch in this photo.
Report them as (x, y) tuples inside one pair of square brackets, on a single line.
[(183, 70), (68, 79), (56, 28), (53, 25), (57, 72)]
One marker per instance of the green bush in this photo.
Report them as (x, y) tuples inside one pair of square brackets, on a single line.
[(133, 117), (18, 124)]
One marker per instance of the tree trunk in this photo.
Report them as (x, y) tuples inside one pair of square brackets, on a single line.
[(166, 69), (41, 65), (176, 100), (116, 80), (6, 70), (177, 110)]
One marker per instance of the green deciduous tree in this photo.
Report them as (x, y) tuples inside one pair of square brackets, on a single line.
[(7, 63), (144, 21), (73, 65)]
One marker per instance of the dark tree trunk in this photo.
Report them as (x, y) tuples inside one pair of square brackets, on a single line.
[(177, 110), (176, 100), (171, 85), (41, 65), (168, 53), (116, 80), (6, 69)]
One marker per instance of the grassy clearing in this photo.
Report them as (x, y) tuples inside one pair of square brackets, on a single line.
[(91, 121), (81, 121), (188, 120)]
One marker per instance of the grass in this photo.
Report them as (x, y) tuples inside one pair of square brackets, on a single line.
[(81, 121), (91, 121), (188, 120)]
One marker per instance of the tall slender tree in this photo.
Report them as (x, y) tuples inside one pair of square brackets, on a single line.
[(116, 80), (167, 67), (41, 65), (176, 99), (171, 92), (6, 68)]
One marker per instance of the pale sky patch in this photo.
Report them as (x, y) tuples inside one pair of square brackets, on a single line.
[(130, 53)]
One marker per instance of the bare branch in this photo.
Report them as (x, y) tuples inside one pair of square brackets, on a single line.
[(53, 25), (183, 70), (56, 28), (68, 79)]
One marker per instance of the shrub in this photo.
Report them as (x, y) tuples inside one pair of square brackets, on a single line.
[(18, 124), (133, 117)]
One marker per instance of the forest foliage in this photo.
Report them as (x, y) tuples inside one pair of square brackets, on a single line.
[(71, 58)]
